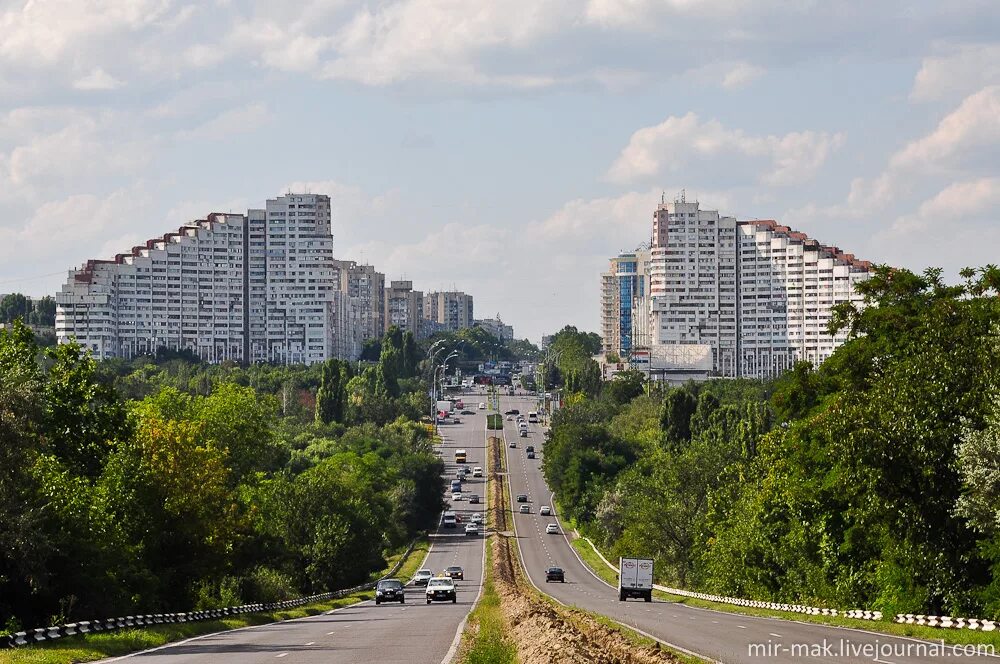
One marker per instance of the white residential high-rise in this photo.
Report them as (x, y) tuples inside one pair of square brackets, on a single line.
[(366, 284), (756, 295), (452, 310), (247, 288), (404, 307)]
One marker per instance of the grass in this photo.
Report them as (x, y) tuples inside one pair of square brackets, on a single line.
[(486, 632), (121, 642), (494, 422), (949, 636)]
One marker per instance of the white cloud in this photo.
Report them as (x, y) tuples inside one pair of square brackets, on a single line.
[(741, 75), (98, 79), (957, 71), (973, 127), (964, 199), (238, 120), (674, 144)]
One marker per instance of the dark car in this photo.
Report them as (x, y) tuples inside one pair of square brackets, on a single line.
[(390, 590), (531, 455), (529, 448), (455, 572), (522, 497), (513, 411), (555, 574), (468, 412)]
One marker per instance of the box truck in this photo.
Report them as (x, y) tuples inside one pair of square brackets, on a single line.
[(635, 578)]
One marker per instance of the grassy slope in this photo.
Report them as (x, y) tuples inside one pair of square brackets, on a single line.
[(121, 642)]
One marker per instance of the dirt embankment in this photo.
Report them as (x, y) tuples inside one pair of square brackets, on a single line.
[(541, 631)]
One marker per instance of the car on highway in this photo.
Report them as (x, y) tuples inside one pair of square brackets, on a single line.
[(449, 519), (472, 529), (482, 406), (512, 411), (545, 510), (459, 475), (473, 499), (455, 572), (552, 529), (524, 433), (456, 420), (476, 517), (531, 455), (468, 412), (477, 471), (555, 574), (422, 576), (389, 590), (512, 443), (525, 509), (529, 448), (441, 589), (510, 418), (467, 470), (456, 496), (522, 497)]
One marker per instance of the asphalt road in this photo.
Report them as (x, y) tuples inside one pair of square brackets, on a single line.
[(413, 632), (716, 635)]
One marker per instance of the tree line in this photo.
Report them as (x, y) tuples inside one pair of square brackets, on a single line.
[(163, 484), (872, 480)]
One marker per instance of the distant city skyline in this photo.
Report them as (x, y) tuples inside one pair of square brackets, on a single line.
[(504, 149)]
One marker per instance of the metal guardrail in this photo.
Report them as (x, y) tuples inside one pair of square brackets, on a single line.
[(42, 634), (946, 622)]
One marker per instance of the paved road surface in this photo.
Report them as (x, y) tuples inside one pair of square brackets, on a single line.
[(719, 636), (413, 633)]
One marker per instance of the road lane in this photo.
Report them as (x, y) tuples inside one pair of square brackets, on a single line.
[(410, 633), (717, 635)]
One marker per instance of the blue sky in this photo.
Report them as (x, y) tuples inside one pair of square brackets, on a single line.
[(506, 148)]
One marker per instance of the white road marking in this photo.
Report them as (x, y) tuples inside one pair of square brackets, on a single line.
[(284, 654), (773, 634), (311, 643), (741, 626)]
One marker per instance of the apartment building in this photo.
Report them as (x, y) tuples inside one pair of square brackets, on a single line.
[(248, 288), (404, 307), (756, 295), (624, 285), (496, 327), (366, 284), (451, 309)]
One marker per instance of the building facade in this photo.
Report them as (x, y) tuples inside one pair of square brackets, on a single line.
[(258, 287), (404, 307), (756, 295), (625, 284), (496, 327), (366, 284), (451, 309)]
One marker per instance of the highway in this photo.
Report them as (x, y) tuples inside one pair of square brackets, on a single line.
[(715, 635), (414, 632)]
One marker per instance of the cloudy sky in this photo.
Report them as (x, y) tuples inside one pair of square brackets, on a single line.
[(502, 147)]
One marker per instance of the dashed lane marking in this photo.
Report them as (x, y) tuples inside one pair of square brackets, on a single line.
[(280, 655)]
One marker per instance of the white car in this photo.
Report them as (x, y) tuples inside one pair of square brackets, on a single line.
[(545, 510), (476, 517), (510, 418), (477, 471), (472, 529), (441, 589), (422, 577), (456, 496), (552, 529), (482, 406)]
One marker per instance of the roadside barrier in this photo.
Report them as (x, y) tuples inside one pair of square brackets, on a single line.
[(41, 634), (945, 622)]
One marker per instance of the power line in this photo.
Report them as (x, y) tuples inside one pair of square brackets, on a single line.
[(37, 276)]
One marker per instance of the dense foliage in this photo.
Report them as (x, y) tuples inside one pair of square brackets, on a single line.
[(16, 306), (871, 481), (164, 484)]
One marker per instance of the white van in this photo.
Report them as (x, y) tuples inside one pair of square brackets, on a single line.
[(532, 416), (449, 520)]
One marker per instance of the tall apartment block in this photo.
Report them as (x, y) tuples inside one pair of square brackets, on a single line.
[(260, 287), (367, 285), (496, 327), (404, 307), (452, 310), (758, 295), (625, 284)]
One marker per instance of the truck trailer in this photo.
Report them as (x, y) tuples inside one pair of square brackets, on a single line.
[(635, 578)]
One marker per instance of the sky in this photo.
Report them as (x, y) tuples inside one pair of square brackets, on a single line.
[(506, 148)]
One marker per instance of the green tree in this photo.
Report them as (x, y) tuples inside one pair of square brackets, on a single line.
[(679, 406), (331, 396), (43, 312), (14, 306)]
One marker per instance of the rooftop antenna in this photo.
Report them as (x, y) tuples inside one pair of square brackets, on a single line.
[(683, 195), (663, 197)]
